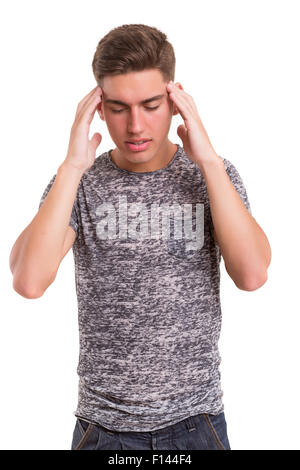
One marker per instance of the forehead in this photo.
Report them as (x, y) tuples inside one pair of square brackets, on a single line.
[(134, 87)]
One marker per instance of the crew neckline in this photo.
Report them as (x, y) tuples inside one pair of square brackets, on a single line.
[(160, 170)]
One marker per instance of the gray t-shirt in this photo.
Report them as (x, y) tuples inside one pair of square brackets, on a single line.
[(148, 287)]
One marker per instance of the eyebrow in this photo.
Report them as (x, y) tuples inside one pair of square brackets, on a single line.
[(148, 100)]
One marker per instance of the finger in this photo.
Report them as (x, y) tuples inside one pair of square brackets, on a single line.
[(95, 141), (178, 91), (188, 98), (95, 90), (88, 110), (181, 104)]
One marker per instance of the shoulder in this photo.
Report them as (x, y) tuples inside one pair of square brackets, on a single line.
[(229, 166)]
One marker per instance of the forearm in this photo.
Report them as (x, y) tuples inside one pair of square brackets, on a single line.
[(36, 254), (243, 244)]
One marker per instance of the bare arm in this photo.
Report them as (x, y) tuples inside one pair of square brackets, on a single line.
[(38, 251), (68, 243), (244, 245)]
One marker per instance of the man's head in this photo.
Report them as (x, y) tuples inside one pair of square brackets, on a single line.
[(132, 65), (133, 48)]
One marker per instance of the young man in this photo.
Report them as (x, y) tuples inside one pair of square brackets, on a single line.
[(148, 222)]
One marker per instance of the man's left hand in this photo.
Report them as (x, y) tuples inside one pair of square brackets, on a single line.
[(195, 140)]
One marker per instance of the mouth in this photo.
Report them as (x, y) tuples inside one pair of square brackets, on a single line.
[(138, 146)]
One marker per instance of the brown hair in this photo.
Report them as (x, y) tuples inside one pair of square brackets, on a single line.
[(133, 48)]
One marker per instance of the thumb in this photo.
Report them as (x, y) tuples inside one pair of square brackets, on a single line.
[(182, 132), (95, 141)]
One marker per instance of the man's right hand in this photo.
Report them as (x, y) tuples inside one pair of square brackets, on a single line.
[(82, 151)]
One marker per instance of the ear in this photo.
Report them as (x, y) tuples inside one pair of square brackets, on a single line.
[(175, 109), (100, 111), (178, 84)]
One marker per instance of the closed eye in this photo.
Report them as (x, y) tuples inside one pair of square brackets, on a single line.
[(146, 107)]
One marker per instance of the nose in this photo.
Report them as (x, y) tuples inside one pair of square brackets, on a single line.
[(135, 122)]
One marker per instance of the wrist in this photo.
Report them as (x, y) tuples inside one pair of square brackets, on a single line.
[(70, 168), (210, 161)]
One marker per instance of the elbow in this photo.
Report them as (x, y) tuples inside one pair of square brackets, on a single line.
[(27, 291), (252, 283)]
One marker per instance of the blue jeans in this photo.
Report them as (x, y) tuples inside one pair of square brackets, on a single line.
[(200, 432)]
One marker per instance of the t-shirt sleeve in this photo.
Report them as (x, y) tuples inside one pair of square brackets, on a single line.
[(74, 219), (237, 182)]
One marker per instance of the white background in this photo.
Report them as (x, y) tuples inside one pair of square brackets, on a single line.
[(240, 62)]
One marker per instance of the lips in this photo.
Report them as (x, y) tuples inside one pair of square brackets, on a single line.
[(133, 146), (140, 141)]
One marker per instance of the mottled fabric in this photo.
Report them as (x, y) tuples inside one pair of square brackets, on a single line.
[(148, 287)]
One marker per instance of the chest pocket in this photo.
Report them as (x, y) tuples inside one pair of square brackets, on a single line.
[(187, 230)]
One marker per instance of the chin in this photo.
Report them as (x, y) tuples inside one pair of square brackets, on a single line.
[(145, 156), (138, 157)]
